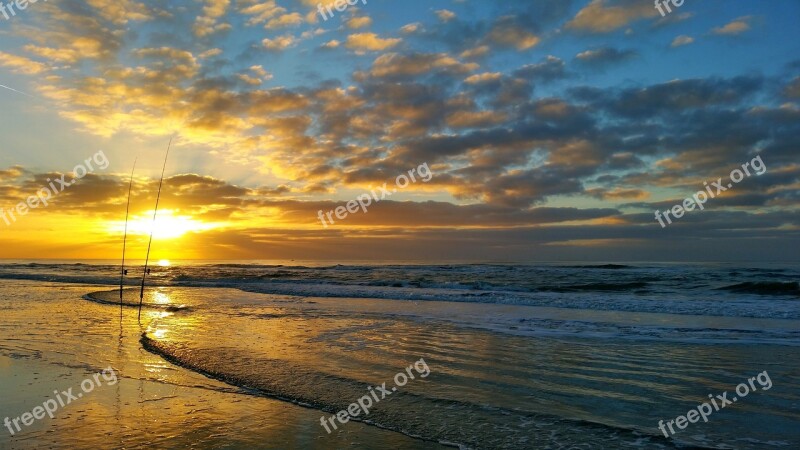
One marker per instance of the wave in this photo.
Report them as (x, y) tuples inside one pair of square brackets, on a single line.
[(61, 278), (279, 274), (602, 266), (765, 288), (685, 290), (599, 287)]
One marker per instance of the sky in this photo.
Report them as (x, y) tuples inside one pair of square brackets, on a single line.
[(551, 130)]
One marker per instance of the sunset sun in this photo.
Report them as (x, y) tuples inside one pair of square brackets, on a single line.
[(168, 225)]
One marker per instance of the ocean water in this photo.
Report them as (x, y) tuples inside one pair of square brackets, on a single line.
[(520, 356)]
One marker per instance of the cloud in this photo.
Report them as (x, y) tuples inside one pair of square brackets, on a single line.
[(507, 32), (259, 70), (370, 42), (737, 26), (618, 194), (475, 119), (411, 28), (249, 80), (604, 57), (208, 23), (333, 43), (120, 12), (279, 43), (260, 12), (477, 52), (674, 97), (284, 21), (395, 64), (445, 15), (792, 90), (20, 64), (483, 78), (358, 22), (550, 69), (681, 40), (11, 173), (602, 16)]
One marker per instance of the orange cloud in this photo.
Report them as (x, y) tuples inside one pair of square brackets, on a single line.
[(599, 17), (370, 41)]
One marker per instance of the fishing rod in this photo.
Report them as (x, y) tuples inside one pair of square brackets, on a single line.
[(125, 239), (152, 229)]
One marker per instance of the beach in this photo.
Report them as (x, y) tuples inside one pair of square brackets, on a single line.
[(154, 404), (225, 367)]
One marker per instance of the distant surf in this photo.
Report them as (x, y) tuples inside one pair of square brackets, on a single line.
[(691, 289)]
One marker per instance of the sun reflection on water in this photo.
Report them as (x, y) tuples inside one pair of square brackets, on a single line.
[(161, 298)]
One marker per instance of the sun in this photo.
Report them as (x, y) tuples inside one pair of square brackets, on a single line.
[(164, 263), (168, 225)]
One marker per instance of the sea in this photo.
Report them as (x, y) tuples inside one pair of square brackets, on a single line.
[(520, 356)]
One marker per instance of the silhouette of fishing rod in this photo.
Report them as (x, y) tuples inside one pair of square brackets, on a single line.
[(124, 272), (152, 229)]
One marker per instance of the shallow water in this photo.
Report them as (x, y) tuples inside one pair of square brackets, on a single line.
[(485, 390)]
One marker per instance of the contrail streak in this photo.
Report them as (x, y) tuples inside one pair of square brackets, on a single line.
[(18, 92)]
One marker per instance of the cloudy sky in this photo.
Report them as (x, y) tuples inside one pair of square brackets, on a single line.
[(554, 129)]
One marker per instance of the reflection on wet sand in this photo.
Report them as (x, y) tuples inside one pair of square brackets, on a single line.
[(50, 339)]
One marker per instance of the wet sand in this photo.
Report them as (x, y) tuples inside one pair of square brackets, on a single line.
[(51, 339)]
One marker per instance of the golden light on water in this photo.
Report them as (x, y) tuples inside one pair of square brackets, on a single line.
[(160, 333), (161, 298)]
